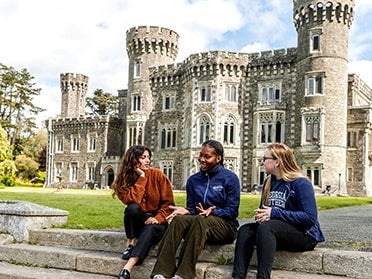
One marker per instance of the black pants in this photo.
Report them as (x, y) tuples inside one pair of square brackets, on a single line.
[(146, 235), (268, 237)]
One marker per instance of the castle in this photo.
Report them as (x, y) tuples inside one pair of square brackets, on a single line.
[(301, 96)]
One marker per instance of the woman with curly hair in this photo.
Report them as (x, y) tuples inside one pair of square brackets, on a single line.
[(147, 194)]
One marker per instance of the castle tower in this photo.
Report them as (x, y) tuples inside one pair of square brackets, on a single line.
[(147, 46), (323, 35), (74, 89)]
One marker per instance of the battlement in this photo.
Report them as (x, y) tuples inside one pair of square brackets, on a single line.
[(271, 57), (73, 81), (152, 39), (306, 11)]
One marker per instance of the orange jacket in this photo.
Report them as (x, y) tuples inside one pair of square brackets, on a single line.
[(153, 193)]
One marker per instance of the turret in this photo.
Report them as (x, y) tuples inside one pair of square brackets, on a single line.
[(74, 89), (323, 36)]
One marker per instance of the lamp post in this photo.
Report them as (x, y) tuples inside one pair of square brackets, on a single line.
[(339, 183)]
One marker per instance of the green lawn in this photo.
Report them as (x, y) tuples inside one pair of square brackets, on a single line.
[(96, 209)]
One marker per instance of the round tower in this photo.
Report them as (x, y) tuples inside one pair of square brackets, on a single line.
[(147, 46), (74, 89), (322, 78)]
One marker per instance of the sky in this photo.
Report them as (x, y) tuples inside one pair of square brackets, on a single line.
[(50, 37)]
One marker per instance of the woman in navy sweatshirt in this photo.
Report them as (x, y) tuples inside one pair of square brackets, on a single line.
[(287, 218)]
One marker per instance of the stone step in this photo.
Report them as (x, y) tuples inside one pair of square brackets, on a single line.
[(99, 252), (12, 271)]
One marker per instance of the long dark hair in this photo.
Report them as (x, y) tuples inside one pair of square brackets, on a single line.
[(218, 148), (127, 176)]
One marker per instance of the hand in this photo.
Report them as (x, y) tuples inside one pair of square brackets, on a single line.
[(151, 220), (177, 210), (262, 214), (205, 212), (140, 172)]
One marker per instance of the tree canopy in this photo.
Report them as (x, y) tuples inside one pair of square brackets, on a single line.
[(103, 103), (17, 91)]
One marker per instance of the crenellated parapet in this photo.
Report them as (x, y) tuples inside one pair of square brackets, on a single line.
[(272, 62), (152, 39), (73, 82), (307, 11), (93, 122), (166, 75)]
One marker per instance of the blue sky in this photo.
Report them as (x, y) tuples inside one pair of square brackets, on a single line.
[(88, 37)]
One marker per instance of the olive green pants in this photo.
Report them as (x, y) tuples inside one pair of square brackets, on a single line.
[(196, 231)]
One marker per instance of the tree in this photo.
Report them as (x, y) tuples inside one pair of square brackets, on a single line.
[(16, 104), (26, 167), (7, 166), (103, 103)]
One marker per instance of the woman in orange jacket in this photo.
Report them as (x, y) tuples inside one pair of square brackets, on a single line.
[(147, 194)]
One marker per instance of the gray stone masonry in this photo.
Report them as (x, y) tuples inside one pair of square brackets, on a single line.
[(18, 217)]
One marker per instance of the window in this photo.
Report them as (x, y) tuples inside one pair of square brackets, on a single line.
[(231, 93), (271, 128), (315, 39), (350, 175), (314, 85), (168, 137), (91, 171), (137, 69), (205, 93), (169, 102), (312, 129), (229, 131), (74, 172), (315, 43), (270, 94), (91, 142), (352, 138), (204, 129), (313, 173), (75, 143), (57, 170), (59, 145), (136, 103), (135, 135), (167, 168)]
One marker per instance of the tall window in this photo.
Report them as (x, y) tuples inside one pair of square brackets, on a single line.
[(59, 145), (91, 142), (314, 85), (204, 129), (168, 137), (135, 135), (312, 129), (75, 143), (91, 171), (352, 138), (74, 172), (136, 103), (313, 173), (169, 102), (315, 43), (137, 69), (205, 93), (57, 170), (231, 93), (167, 168), (229, 131), (271, 125)]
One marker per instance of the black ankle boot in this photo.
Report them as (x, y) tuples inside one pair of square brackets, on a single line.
[(124, 274), (127, 252)]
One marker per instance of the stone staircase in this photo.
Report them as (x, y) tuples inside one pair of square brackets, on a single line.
[(74, 254)]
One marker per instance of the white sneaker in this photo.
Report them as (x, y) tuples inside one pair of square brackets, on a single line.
[(176, 277), (158, 276)]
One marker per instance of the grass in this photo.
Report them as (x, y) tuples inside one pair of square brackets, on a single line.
[(96, 209)]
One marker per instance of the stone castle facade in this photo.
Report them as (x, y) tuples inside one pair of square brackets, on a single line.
[(301, 96)]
